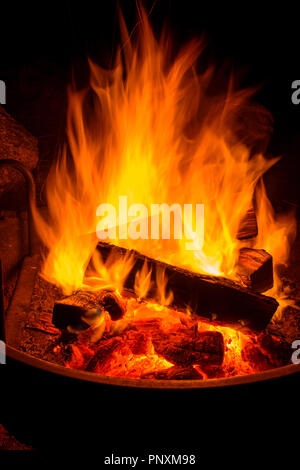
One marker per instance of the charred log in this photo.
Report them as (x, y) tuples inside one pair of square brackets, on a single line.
[(213, 298)]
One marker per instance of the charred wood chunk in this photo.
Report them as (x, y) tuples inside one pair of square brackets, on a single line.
[(110, 302), (211, 297), (252, 354), (248, 226), (104, 353), (207, 348), (138, 342), (175, 373), (72, 311), (276, 349), (255, 268), (214, 372)]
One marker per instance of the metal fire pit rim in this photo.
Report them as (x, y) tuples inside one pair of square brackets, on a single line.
[(19, 305), (46, 366)]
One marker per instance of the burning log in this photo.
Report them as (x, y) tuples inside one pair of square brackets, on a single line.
[(72, 310), (213, 298), (248, 226), (255, 268)]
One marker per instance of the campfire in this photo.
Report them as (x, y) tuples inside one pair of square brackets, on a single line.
[(152, 130)]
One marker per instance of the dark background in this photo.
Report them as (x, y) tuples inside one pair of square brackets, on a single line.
[(42, 43)]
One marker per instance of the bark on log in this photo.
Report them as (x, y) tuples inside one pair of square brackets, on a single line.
[(219, 300), (255, 268)]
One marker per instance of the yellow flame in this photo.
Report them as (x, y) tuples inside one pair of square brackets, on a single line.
[(149, 129), (164, 297), (143, 282)]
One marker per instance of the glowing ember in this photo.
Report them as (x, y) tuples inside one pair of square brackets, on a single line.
[(129, 348)]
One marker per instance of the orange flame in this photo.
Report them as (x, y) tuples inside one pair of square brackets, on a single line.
[(143, 281), (155, 134)]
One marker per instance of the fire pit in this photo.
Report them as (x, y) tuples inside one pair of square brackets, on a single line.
[(190, 353), (152, 295), (127, 295)]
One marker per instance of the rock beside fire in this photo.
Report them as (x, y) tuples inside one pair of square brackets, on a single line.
[(16, 143)]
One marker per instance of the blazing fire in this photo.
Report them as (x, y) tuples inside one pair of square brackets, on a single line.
[(150, 129)]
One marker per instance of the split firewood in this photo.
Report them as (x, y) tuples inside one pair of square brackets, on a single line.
[(174, 373), (82, 308), (255, 268), (213, 298), (248, 226)]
